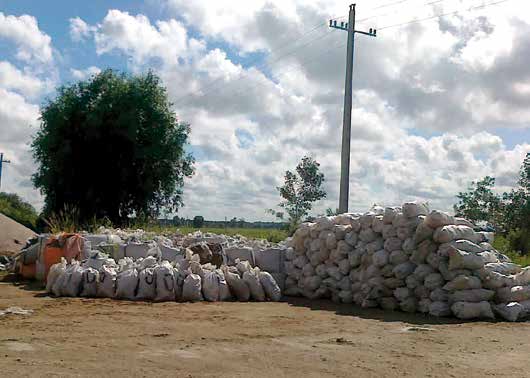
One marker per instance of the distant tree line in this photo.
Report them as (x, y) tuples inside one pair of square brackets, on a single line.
[(199, 221)]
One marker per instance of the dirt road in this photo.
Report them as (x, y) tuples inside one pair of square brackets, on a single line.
[(296, 338)]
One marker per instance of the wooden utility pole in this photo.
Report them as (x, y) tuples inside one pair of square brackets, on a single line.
[(346, 122)]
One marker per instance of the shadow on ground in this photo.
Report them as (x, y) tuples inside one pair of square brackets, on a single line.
[(370, 313), (33, 286), (315, 305)]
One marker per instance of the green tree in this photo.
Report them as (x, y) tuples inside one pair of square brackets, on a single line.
[(198, 221), (517, 214), (19, 210), (111, 147), (480, 202), (301, 189)]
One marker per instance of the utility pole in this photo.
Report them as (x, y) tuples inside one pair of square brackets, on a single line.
[(2, 161), (346, 121)]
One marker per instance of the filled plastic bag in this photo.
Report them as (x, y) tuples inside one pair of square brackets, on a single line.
[(107, 282), (89, 283), (55, 272), (512, 311), (270, 287), (72, 283), (180, 276), (471, 310), (191, 289), (146, 284), (243, 266), (237, 286), (165, 282), (251, 277), (126, 283), (224, 290), (210, 286)]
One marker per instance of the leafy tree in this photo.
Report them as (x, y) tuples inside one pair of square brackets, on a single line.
[(301, 189), (510, 214), (198, 221), (480, 203), (111, 147), (19, 210), (517, 214)]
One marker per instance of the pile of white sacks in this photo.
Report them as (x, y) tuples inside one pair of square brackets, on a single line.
[(406, 258), (184, 280)]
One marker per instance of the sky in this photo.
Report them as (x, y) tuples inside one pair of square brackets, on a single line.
[(438, 101)]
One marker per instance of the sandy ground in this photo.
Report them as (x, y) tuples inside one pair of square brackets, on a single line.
[(13, 235), (295, 338)]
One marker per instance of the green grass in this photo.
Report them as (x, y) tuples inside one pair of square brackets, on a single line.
[(502, 245), (272, 235)]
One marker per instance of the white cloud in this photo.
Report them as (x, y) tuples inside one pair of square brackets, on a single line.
[(79, 29), (84, 74), (459, 79), (404, 80), (138, 38), (31, 42), (13, 79), (18, 121)]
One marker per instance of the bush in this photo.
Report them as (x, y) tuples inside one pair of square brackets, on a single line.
[(503, 245), (17, 209), (519, 241)]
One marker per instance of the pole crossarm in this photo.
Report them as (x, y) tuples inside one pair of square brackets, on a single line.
[(344, 26)]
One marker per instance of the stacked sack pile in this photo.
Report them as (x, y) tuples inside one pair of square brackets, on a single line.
[(406, 258), (151, 279)]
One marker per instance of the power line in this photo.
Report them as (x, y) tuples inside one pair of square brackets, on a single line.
[(263, 64), (304, 63), (394, 12), (442, 15), (272, 52)]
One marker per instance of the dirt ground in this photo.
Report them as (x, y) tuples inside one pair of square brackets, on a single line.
[(294, 338)]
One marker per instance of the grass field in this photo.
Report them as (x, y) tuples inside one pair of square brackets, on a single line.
[(272, 235)]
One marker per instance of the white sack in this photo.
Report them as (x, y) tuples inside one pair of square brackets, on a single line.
[(146, 284), (107, 282), (512, 311), (55, 271), (470, 310), (463, 283), (513, 294), (473, 295), (270, 287), (237, 286), (89, 283), (252, 279), (210, 286), (165, 282), (74, 277), (126, 283), (464, 260), (191, 290), (446, 234), (439, 309)]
